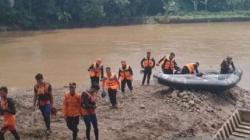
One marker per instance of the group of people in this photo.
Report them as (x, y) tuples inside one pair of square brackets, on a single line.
[(82, 105), (169, 66), (75, 106)]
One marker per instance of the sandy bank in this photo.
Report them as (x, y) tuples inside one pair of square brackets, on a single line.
[(151, 113)]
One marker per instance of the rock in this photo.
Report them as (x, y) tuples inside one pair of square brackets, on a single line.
[(184, 100), (213, 126), (204, 128), (209, 109), (152, 136), (142, 106), (169, 96), (185, 96), (185, 105), (191, 103), (198, 108), (191, 132), (197, 101), (174, 95), (181, 94)]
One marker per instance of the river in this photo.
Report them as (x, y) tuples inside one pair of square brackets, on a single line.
[(65, 55)]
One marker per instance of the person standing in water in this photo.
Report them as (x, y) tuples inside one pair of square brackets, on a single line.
[(125, 76), (95, 73), (147, 63), (72, 109), (43, 98), (8, 111), (88, 102)]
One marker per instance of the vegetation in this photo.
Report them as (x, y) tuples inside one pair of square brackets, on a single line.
[(31, 14)]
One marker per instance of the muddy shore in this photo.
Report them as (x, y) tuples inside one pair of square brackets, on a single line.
[(151, 113)]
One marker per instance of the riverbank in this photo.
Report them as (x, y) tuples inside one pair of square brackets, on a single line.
[(199, 17), (150, 113), (181, 17)]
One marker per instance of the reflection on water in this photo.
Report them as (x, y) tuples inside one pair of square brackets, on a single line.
[(64, 55)]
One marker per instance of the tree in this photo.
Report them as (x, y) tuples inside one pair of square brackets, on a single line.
[(195, 4), (217, 5), (44, 11), (171, 6), (205, 3), (116, 9), (90, 11), (154, 7), (246, 5), (5, 11), (37, 13), (64, 17)]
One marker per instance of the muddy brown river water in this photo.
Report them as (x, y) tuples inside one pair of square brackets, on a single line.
[(64, 55)]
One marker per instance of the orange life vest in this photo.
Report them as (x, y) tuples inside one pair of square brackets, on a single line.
[(191, 68), (168, 64), (42, 89), (95, 71), (125, 73), (8, 118), (111, 82), (43, 93), (148, 63), (72, 105)]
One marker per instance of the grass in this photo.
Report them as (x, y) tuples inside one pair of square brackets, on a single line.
[(204, 16)]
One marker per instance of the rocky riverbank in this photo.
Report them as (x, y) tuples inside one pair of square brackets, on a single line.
[(151, 113)]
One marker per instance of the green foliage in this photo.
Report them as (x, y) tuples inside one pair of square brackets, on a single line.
[(116, 8), (52, 13), (5, 11), (64, 17), (91, 11)]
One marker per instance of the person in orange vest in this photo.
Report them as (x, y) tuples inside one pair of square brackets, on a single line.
[(147, 63), (8, 111), (111, 84), (43, 98), (95, 73), (125, 76), (88, 102), (227, 65), (168, 65), (191, 68), (72, 109)]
